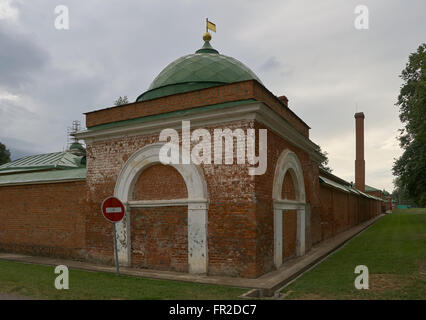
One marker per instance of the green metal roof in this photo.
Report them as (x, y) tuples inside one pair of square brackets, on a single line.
[(345, 188), (371, 189), (203, 69), (43, 168), (56, 160), (370, 196), (43, 176), (334, 184)]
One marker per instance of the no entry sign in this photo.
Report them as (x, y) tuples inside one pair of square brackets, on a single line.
[(113, 209)]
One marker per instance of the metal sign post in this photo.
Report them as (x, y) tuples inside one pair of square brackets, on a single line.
[(113, 210), (116, 253)]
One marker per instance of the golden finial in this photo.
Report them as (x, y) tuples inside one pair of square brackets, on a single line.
[(209, 26), (207, 36)]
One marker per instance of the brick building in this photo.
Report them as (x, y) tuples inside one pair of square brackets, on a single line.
[(204, 218)]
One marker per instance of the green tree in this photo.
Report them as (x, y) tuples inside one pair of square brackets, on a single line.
[(410, 168), (121, 100), (4, 154), (324, 163), (400, 193)]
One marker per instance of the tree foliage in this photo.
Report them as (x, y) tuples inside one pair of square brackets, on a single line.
[(324, 163), (400, 193), (121, 100), (4, 154), (410, 168)]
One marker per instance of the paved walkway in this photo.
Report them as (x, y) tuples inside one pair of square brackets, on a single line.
[(266, 285)]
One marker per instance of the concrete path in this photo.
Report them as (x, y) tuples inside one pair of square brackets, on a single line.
[(265, 285)]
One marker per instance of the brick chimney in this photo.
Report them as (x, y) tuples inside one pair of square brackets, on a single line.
[(359, 159), (284, 100)]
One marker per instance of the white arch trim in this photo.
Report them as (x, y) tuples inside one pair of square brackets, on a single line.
[(197, 202), (288, 161)]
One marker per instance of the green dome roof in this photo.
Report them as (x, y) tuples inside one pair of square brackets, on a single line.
[(203, 69)]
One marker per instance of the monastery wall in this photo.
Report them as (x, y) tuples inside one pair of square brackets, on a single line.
[(341, 211), (64, 219), (43, 219)]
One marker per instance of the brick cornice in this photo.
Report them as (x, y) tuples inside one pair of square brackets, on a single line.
[(254, 111), (238, 91), (215, 95)]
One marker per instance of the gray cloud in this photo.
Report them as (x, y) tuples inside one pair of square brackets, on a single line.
[(20, 58), (270, 64)]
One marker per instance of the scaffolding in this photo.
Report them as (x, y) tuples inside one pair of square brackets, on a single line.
[(71, 131)]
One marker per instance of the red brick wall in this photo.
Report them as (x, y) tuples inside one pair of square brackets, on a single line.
[(240, 214), (159, 235), (388, 203), (289, 233), (378, 193), (243, 90), (262, 94), (288, 191), (230, 92), (43, 219), (264, 204), (289, 219), (341, 211), (232, 226), (160, 182), (160, 238), (327, 218)]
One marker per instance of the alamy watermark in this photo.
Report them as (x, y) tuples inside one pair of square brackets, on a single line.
[(62, 281), (62, 20), (362, 19), (361, 281), (223, 140)]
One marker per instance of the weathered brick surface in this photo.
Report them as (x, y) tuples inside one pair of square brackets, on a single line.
[(160, 182), (43, 219), (289, 233), (226, 93), (250, 89), (231, 213), (288, 191), (160, 238), (378, 193), (264, 95), (341, 211), (240, 213), (264, 204)]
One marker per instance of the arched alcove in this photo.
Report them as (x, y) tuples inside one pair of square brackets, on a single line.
[(288, 191), (159, 182), (196, 200), (288, 195)]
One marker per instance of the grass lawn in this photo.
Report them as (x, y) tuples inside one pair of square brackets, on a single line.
[(393, 249), (38, 281)]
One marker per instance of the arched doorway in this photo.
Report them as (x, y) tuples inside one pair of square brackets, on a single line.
[(288, 196), (196, 202)]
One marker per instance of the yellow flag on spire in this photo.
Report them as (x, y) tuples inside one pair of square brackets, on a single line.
[(210, 26)]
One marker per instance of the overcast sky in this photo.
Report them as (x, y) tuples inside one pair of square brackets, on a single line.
[(308, 50)]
